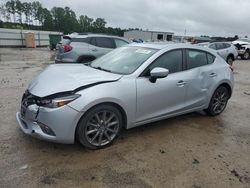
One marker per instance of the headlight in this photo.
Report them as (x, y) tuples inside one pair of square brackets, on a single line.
[(58, 102)]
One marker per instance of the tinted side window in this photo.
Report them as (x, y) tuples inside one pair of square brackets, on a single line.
[(120, 43), (170, 60), (212, 46), (104, 42), (226, 45), (210, 58), (220, 46), (196, 58)]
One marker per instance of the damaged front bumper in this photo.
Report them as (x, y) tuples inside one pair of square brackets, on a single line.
[(56, 125)]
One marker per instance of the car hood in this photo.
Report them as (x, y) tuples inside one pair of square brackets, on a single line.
[(68, 77)]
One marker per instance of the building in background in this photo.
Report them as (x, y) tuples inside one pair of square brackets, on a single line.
[(18, 37), (149, 36)]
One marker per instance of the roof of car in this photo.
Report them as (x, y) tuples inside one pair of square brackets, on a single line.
[(172, 45), (162, 45), (85, 35)]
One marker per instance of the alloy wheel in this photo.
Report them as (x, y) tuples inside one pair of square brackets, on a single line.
[(246, 55), (102, 127), (219, 101)]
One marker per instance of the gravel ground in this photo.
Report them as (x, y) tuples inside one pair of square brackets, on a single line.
[(193, 151)]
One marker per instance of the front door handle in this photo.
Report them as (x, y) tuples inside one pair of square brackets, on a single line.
[(94, 50), (212, 75), (181, 83)]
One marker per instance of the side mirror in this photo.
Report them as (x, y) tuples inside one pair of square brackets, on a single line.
[(157, 73)]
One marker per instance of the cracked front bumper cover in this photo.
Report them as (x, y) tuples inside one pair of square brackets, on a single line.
[(56, 125)]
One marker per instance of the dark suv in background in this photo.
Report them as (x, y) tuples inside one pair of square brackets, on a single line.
[(84, 48)]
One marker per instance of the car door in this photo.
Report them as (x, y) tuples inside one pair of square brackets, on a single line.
[(166, 95), (101, 45), (201, 76)]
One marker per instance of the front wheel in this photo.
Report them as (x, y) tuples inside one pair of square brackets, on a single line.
[(246, 55), (218, 101), (99, 127)]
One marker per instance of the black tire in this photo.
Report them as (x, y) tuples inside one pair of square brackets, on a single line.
[(230, 60), (87, 128), (218, 101), (246, 55)]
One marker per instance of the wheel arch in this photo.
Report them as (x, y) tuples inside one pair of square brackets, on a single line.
[(116, 105), (231, 55), (226, 85)]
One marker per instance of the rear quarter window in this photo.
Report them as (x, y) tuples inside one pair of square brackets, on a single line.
[(212, 46), (220, 46), (210, 58), (196, 58), (226, 45)]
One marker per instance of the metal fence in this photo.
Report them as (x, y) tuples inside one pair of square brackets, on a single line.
[(16, 37)]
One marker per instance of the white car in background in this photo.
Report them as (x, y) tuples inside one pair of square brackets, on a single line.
[(243, 47), (225, 49)]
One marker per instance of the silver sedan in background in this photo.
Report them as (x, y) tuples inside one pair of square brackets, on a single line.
[(128, 87)]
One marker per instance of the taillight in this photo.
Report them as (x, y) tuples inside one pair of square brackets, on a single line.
[(67, 48)]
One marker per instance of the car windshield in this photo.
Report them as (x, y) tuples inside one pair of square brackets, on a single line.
[(124, 60)]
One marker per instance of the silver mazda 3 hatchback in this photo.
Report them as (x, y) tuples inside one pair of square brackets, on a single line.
[(128, 87)]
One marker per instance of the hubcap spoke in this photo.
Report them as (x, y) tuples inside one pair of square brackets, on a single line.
[(91, 131), (104, 116), (110, 118), (98, 118), (100, 139), (93, 139), (110, 130), (112, 123), (93, 125), (107, 136)]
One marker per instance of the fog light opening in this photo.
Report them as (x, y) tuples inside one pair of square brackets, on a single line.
[(46, 129)]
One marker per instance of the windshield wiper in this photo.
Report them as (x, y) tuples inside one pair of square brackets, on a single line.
[(100, 68)]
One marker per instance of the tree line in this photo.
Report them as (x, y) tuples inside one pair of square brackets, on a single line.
[(32, 15)]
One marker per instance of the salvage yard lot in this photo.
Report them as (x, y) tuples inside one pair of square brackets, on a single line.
[(193, 150)]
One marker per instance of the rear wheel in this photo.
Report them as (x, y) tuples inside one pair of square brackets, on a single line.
[(230, 60), (99, 127), (218, 101), (246, 55)]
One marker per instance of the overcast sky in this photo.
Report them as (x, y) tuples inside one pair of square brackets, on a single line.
[(199, 17)]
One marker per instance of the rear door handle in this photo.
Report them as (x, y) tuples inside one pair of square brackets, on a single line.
[(94, 50), (212, 75), (181, 83)]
